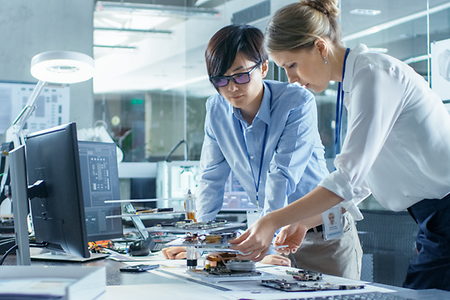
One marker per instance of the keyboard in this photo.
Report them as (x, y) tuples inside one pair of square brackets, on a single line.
[(158, 247)]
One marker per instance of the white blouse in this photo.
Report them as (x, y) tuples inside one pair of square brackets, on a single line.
[(398, 138)]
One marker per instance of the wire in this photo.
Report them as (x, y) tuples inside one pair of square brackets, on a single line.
[(167, 158), (7, 241), (39, 245), (7, 252), (293, 260)]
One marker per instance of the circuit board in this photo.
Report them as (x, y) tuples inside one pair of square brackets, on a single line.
[(286, 286), (304, 275)]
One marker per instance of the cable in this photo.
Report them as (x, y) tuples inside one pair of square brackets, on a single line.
[(175, 148), (293, 260), (39, 245), (7, 252), (7, 241)]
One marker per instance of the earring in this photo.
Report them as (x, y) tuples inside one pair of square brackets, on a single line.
[(326, 60)]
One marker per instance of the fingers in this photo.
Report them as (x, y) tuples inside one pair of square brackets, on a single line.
[(174, 252), (254, 256), (240, 238), (250, 251), (283, 251), (164, 251), (280, 238), (276, 260), (282, 261), (247, 248)]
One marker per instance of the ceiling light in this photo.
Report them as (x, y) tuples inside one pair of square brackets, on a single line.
[(365, 12), (114, 47), (154, 31), (157, 9), (393, 23)]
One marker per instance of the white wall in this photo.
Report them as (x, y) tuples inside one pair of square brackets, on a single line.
[(31, 27)]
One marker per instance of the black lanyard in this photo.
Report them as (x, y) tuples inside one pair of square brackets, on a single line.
[(256, 182)]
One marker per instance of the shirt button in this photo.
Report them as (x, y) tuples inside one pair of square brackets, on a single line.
[(251, 157)]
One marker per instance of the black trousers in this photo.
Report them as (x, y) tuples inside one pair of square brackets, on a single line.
[(431, 267)]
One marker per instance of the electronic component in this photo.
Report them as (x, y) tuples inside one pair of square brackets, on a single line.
[(156, 210), (305, 287), (199, 225), (225, 264), (139, 268), (304, 275), (205, 240)]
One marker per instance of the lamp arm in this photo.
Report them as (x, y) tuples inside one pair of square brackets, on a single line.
[(26, 112)]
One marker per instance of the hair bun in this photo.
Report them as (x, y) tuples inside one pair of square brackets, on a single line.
[(327, 7)]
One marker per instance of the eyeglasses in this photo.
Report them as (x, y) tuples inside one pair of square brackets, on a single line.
[(239, 78)]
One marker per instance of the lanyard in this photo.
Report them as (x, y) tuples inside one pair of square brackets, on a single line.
[(339, 109), (256, 182)]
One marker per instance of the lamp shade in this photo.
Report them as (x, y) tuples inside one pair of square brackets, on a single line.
[(62, 67)]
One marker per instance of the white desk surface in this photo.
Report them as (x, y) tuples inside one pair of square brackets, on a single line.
[(186, 286)]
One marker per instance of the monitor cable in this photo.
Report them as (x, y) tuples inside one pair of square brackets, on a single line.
[(167, 158), (39, 245)]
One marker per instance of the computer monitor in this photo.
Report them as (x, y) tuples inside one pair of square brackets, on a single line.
[(100, 182), (58, 217)]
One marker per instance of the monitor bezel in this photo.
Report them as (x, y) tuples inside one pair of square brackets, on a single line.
[(58, 218)]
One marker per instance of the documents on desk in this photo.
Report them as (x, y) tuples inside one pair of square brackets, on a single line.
[(38, 282)]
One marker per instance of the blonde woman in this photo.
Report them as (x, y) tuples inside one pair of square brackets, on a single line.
[(397, 145)]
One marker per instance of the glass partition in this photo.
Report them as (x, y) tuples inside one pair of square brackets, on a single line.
[(152, 86)]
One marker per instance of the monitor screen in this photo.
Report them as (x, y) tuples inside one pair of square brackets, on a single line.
[(100, 178), (58, 217)]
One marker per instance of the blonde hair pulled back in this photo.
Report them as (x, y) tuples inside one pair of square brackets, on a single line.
[(296, 26)]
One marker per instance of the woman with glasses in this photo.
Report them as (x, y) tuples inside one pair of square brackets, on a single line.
[(266, 133), (397, 144)]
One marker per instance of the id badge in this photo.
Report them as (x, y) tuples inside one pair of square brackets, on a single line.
[(253, 216), (333, 228)]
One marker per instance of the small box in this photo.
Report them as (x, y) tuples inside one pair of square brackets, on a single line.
[(53, 282)]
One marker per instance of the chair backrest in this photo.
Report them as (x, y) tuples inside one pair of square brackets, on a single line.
[(389, 238)]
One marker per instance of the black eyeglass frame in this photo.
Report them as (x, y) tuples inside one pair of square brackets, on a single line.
[(233, 77)]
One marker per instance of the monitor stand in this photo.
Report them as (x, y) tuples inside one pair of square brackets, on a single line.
[(58, 256)]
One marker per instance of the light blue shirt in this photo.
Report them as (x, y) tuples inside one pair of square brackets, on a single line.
[(293, 162)]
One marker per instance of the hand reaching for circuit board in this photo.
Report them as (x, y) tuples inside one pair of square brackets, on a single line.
[(292, 236), (180, 253)]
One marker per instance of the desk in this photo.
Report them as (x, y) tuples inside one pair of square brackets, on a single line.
[(167, 283)]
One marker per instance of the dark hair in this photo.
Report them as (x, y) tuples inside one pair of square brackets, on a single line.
[(296, 26), (227, 42)]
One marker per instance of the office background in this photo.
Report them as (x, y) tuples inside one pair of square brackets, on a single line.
[(150, 85)]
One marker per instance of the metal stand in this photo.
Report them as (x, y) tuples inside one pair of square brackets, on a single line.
[(20, 204)]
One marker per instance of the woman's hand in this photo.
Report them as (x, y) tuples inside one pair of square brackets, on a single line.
[(255, 241), (174, 252), (292, 236), (278, 260)]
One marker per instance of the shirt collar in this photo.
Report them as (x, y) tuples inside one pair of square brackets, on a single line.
[(264, 110), (350, 64)]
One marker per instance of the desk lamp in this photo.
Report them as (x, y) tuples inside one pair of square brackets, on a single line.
[(53, 67)]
